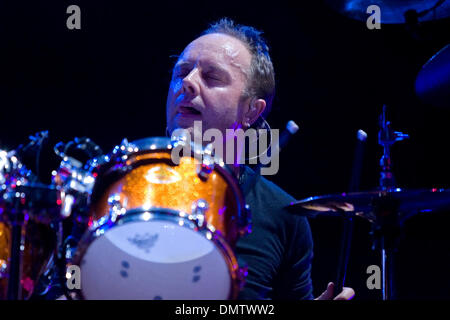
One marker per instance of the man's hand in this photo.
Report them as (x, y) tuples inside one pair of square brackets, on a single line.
[(346, 293)]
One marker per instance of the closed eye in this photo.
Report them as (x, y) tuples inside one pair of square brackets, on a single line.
[(181, 71), (212, 77)]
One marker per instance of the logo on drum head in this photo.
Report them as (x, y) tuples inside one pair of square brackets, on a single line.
[(144, 242), (162, 175)]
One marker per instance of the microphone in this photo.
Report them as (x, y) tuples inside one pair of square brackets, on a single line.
[(285, 136), (288, 132)]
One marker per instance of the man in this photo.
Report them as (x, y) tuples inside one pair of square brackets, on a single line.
[(225, 79)]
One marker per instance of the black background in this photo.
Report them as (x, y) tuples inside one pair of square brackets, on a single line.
[(109, 80)]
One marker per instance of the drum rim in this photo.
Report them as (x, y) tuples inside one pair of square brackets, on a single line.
[(156, 213), (161, 143)]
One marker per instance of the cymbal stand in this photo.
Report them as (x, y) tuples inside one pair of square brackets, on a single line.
[(387, 226), (17, 218)]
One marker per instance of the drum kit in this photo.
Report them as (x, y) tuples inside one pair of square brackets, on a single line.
[(153, 229)]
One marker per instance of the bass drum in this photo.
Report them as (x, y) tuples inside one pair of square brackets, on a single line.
[(161, 230)]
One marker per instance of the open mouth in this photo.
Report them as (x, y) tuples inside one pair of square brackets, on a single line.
[(188, 110)]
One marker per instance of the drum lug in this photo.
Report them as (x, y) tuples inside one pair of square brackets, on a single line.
[(67, 202), (125, 148), (198, 212), (116, 208), (207, 165), (204, 171)]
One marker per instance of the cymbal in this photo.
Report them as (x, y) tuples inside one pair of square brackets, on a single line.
[(433, 80), (365, 204), (392, 11)]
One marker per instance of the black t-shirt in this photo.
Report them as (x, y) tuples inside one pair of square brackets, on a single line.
[(278, 252)]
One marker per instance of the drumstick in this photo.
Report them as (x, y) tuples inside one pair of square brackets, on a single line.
[(348, 220)]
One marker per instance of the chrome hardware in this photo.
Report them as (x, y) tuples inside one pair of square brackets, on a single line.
[(84, 144), (116, 208), (71, 177), (12, 172), (74, 183), (207, 166), (180, 141), (199, 209), (4, 165), (204, 171), (125, 148), (180, 137), (386, 138)]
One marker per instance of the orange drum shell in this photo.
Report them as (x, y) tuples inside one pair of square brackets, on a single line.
[(155, 183)]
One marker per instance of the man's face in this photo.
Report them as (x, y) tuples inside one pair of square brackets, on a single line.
[(207, 84)]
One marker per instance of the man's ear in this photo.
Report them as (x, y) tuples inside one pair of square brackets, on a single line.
[(255, 109)]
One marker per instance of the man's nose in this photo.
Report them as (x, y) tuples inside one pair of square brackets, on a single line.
[(190, 83)]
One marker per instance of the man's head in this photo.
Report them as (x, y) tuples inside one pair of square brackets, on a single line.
[(224, 78)]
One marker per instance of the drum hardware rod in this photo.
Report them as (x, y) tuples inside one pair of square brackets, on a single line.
[(387, 234), (384, 295), (347, 231), (59, 231), (386, 138)]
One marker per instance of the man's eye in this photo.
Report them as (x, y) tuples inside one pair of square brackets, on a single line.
[(181, 72), (212, 76)]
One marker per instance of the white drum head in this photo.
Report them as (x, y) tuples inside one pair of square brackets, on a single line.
[(154, 259)]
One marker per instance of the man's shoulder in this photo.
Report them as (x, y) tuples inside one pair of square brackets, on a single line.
[(266, 190)]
